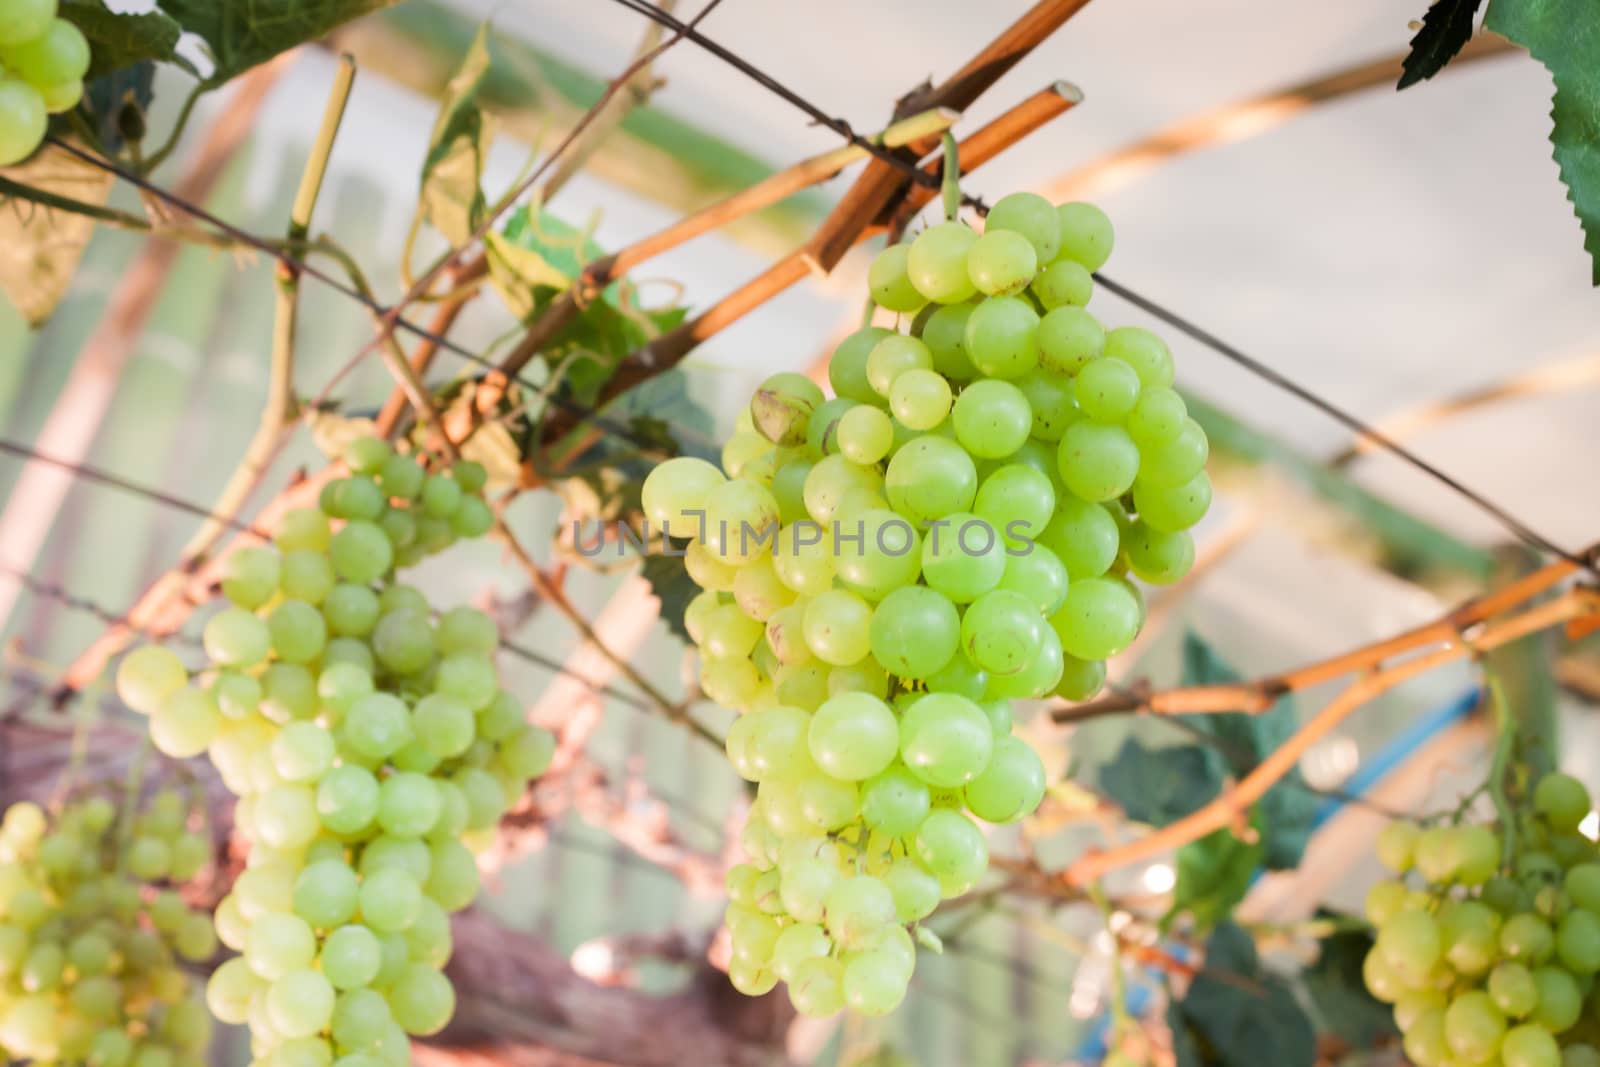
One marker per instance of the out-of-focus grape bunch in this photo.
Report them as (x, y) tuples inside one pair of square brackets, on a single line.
[(370, 744)]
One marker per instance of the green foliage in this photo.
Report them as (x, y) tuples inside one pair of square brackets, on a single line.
[(118, 102), (1564, 35), (118, 41), (243, 33), (1214, 874), (1338, 993), (452, 200), (1161, 785), (1236, 1014), (1446, 29), (669, 580)]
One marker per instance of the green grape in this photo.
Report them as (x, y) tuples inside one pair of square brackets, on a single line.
[(24, 116), (1039, 575), (235, 638), (1107, 389), (1530, 1045), (1469, 931), (1001, 337), (303, 528), (822, 432), (1175, 461), (1017, 500), (936, 263), (1086, 234), (250, 576), (788, 489), (527, 753), (1474, 1027), (1411, 943), (1001, 262), (1069, 339), (390, 900), (300, 1004), (1084, 535), (894, 802), (1578, 941), (428, 941), (1560, 999), (347, 799), (853, 737), (377, 725), (453, 878), (1157, 417), (1562, 800), (894, 355), (889, 283), (303, 752), (230, 989), (916, 892), (730, 632), (1051, 404), (468, 678), (325, 894), (1011, 786), (929, 478), (1396, 845), (865, 434), (361, 1018), (733, 683), (1571, 1056), (286, 817), (829, 483), (1172, 510), (1513, 989), (147, 676), (185, 723), (1100, 618), (1156, 557), (816, 988), (803, 888), (782, 406), (945, 334), (297, 630), (837, 627), (856, 910), (707, 570), (1001, 631), (1032, 216), (825, 802), (1475, 851), (264, 889), (1144, 352), (920, 399), (1527, 937), (914, 631), (677, 489), (1063, 284), (1099, 462), (847, 368), (952, 849), (991, 419), (443, 725), (945, 739), (797, 943), (279, 943), (758, 590), (306, 576), (963, 557), (360, 552), (875, 982), (22, 21), (1582, 883)]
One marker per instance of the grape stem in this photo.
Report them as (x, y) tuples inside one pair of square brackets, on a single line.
[(1505, 739), (950, 187), (1376, 680)]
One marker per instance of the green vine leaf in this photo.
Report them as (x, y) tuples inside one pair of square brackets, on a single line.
[(452, 199), (1564, 35), (1214, 874), (1446, 29), (118, 102), (669, 580), (1236, 1014), (1161, 785), (243, 33), (117, 41)]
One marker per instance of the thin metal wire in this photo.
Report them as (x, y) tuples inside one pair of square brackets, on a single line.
[(128, 486), (55, 591), (1518, 528)]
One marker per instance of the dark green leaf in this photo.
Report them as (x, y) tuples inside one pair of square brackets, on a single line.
[(452, 173), (1446, 28), (1214, 874), (117, 41), (1289, 807), (1238, 1015), (669, 580), (118, 102), (1186, 1045), (1339, 992), (1564, 35), (242, 33), (40, 245), (1160, 785)]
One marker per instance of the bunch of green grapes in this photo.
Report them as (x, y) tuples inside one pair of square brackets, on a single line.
[(1491, 958), (885, 571), (370, 746), (42, 63), (92, 944)]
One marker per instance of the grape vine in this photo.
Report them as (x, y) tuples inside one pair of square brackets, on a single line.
[(885, 571), (43, 60)]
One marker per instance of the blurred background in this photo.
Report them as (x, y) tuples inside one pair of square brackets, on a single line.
[(1411, 257)]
